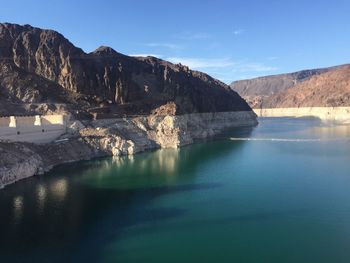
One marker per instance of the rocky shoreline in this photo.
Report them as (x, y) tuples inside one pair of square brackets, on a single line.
[(85, 140)]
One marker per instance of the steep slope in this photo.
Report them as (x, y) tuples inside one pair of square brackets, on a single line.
[(329, 89), (41, 66), (254, 90)]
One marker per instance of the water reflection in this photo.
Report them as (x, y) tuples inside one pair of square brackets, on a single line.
[(17, 209), (332, 132), (166, 161), (121, 172), (59, 189), (163, 160), (310, 137), (41, 197), (160, 167)]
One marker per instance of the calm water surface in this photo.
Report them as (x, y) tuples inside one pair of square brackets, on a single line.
[(220, 201)]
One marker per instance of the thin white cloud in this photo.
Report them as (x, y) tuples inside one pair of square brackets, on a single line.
[(198, 63), (225, 69), (164, 45), (145, 55), (235, 66), (272, 58), (193, 36), (238, 32)]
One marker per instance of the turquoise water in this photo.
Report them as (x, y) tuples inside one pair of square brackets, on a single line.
[(263, 200)]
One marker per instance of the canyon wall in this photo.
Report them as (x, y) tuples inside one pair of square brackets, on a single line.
[(328, 87)]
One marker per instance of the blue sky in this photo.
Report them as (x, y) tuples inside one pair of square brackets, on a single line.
[(230, 40)]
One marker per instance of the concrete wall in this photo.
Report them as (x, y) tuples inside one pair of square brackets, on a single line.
[(35, 129), (337, 114)]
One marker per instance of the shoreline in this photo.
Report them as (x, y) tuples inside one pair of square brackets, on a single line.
[(86, 140), (340, 115)]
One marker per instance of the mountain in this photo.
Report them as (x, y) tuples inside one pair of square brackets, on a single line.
[(258, 89), (41, 66), (328, 89)]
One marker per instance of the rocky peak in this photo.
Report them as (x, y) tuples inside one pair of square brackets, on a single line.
[(105, 51)]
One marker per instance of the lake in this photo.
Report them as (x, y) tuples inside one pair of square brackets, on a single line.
[(278, 192)]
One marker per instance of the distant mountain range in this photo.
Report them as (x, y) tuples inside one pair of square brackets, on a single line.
[(327, 87), (42, 66)]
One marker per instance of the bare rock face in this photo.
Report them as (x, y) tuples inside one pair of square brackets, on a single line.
[(18, 162), (329, 89), (254, 91), (22, 160), (175, 131), (39, 66), (269, 85)]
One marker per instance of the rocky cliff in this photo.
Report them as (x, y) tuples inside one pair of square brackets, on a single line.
[(41, 66), (102, 91), (329, 89), (258, 89)]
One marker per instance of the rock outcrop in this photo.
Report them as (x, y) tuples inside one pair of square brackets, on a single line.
[(22, 160), (17, 162)]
